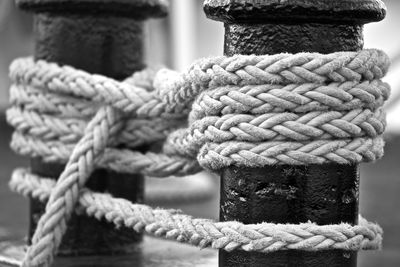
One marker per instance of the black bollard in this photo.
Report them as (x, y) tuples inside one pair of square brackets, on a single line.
[(101, 37), (324, 194)]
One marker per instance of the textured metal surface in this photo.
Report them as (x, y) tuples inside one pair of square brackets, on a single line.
[(262, 11), (278, 38), (326, 193), (290, 194)]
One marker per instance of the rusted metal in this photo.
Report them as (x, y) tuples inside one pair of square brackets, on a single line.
[(102, 37), (324, 194)]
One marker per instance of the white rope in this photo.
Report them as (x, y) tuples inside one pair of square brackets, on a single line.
[(305, 108)]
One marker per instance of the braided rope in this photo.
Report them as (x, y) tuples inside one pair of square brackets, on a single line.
[(65, 80), (136, 132), (299, 98), (172, 224), (121, 160), (343, 151), (247, 140), (253, 111), (62, 200), (179, 90), (316, 125)]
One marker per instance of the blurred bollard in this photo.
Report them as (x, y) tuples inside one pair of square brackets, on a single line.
[(101, 37)]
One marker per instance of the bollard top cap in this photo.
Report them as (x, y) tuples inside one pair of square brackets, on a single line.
[(322, 11), (137, 9)]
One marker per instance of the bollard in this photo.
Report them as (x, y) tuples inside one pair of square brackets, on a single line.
[(102, 37), (324, 194)]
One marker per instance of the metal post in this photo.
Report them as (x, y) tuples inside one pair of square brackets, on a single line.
[(102, 37), (324, 194)]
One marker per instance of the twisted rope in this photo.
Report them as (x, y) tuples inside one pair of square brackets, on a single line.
[(253, 111)]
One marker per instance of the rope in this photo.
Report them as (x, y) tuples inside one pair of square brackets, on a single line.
[(130, 98), (122, 160), (279, 126), (344, 151), (284, 69), (251, 111), (300, 98), (172, 224), (136, 132)]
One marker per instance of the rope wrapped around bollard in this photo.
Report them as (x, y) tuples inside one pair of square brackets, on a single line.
[(305, 108)]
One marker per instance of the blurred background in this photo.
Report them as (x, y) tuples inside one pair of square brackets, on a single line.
[(186, 34)]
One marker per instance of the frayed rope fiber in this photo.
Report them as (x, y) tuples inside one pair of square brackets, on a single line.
[(252, 111)]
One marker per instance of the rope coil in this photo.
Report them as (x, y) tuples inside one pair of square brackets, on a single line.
[(253, 111)]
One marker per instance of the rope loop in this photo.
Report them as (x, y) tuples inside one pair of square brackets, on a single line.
[(252, 111)]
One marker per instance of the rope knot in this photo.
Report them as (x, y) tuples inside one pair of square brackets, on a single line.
[(252, 111)]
